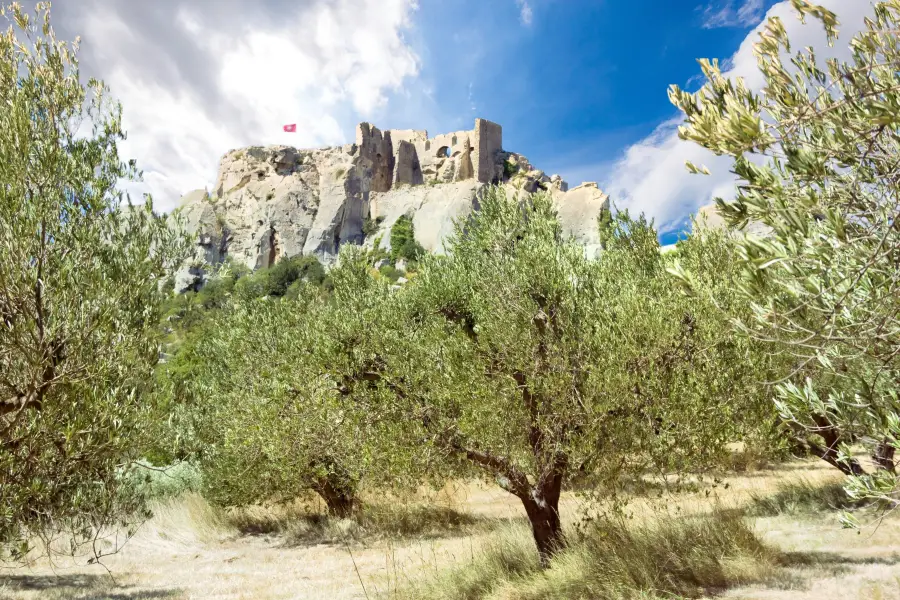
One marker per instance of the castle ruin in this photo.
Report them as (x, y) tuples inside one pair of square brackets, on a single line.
[(409, 156)]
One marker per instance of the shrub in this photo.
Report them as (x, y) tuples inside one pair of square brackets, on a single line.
[(390, 272), (371, 225), (403, 241), (509, 169), (276, 280)]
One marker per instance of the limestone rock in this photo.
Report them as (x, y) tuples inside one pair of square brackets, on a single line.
[(434, 210), (278, 201), (578, 211)]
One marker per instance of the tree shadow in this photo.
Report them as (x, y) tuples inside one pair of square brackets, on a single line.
[(834, 559), (798, 565), (81, 587)]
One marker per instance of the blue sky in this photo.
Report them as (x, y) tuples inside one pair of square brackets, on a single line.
[(579, 86)]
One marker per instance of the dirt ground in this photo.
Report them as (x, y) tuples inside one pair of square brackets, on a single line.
[(175, 556)]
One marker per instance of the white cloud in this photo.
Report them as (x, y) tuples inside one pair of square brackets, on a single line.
[(526, 15), (650, 176), (724, 13), (212, 86)]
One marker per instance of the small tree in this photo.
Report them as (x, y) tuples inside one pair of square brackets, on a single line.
[(517, 356), (80, 281), (816, 158), (260, 410), (403, 240)]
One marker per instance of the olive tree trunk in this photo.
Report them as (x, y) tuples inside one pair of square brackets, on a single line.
[(339, 499), (884, 456), (542, 508)]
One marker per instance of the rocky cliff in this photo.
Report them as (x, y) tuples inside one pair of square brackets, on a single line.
[(278, 201)]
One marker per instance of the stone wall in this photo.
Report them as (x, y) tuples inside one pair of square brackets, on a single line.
[(488, 143), (446, 157), (406, 164), (377, 149)]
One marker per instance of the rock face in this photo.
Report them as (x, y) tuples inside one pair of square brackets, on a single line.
[(277, 201)]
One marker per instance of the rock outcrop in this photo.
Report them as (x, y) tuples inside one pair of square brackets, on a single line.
[(277, 201)]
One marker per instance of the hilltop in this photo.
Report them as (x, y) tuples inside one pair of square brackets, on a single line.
[(274, 202)]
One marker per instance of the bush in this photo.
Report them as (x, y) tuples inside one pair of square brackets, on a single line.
[(278, 279), (371, 225), (403, 241), (285, 272), (390, 273)]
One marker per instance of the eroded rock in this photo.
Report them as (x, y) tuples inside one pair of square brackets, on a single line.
[(278, 201)]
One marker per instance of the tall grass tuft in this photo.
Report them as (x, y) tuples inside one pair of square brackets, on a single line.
[(661, 558), (800, 496)]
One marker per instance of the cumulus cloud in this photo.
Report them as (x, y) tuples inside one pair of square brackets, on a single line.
[(199, 78), (650, 176), (526, 15), (727, 13)]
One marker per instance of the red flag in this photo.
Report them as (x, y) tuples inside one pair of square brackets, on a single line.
[(292, 128)]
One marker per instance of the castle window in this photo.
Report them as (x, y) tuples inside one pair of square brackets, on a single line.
[(443, 152), (453, 142)]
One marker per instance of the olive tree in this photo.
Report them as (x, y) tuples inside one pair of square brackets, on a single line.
[(79, 280), (712, 256), (518, 356), (260, 408), (815, 153)]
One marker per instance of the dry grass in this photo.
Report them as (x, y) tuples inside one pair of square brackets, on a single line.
[(661, 557), (192, 551), (299, 525), (803, 497)]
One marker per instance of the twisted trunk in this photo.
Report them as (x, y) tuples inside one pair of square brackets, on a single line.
[(542, 507), (832, 438), (339, 499)]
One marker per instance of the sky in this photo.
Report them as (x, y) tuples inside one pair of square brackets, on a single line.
[(579, 86)]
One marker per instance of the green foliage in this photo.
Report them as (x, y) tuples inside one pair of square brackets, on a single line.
[(158, 483), (668, 557), (168, 288), (370, 225), (276, 280), (605, 224), (403, 241), (79, 296), (264, 418), (391, 273), (527, 390), (509, 169), (823, 281)]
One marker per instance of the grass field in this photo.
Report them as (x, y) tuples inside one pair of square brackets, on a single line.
[(476, 538)]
